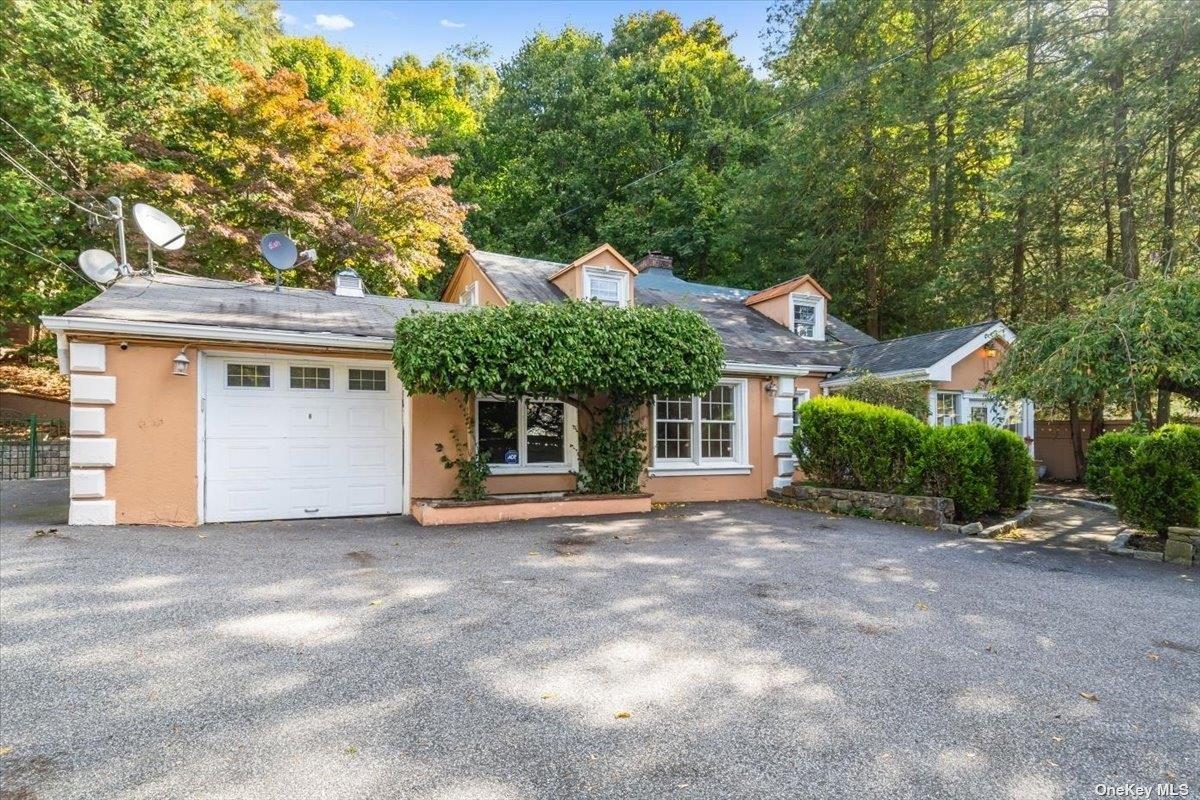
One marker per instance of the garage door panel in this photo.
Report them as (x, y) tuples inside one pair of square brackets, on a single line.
[(284, 453)]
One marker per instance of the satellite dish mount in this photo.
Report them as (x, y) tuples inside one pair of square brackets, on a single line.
[(159, 229)]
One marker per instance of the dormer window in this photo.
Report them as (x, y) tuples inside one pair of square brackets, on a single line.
[(610, 288), (808, 316), (470, 295)]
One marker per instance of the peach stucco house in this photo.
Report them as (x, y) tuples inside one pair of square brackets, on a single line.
[(196, 400)]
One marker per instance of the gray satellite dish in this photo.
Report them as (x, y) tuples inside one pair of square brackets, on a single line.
[(158, 227), (99, 265), (279, 250)]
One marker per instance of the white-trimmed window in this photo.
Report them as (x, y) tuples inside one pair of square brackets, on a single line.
[(945, 409), (807, 316), (248, 376), (470, 295), (310, 377), (702, 433), (367, 380), (525, 435), (802, 396), (610, 288)]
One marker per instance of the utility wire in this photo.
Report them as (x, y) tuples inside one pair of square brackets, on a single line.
[(7, 156), (816, 95), (51, 262), (55, 261)]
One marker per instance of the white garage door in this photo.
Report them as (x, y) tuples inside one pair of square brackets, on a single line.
[(287, 438)]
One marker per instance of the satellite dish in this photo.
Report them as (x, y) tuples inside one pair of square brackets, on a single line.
[(99, 265), (279, 250), (158, 227)]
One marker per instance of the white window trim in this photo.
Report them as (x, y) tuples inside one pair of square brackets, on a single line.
[(271, 382), (738, 465), (470, 295), (620, 277), (958, 406), (819, 303), (386, 381), (799, 397), (310, 365), (523, 467)]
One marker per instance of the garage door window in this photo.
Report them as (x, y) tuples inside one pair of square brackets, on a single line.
[(248, 376), (368, 380), (311, 378)]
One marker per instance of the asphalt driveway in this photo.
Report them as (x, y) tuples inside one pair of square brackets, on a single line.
[(736, 650)]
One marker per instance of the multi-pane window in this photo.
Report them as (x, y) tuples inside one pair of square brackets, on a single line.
[(699, 429), (470, 295), (522, 432), (800, 399), (946, 412), (368, 380), (804, 318), (248, 376), (605, 288), (979, 411), (673, 427), (310, 378)]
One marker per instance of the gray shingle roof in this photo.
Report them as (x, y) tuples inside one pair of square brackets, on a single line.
[(914, 352), (203, 301), (520, 279)]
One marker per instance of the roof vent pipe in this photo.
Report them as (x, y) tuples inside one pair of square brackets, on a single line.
[(346, 283)]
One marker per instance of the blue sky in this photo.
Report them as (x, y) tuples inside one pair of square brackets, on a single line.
[(379, 30)]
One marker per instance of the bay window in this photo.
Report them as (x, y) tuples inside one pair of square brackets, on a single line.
[(701, 433), (525, 435)]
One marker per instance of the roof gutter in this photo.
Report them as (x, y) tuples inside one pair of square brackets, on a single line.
[(212, 333), (799, 370), (903, 374)]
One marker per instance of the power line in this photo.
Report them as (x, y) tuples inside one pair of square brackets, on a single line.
[(61, 170), (7, 156), (816, 95), (56, 261), (51, 262)]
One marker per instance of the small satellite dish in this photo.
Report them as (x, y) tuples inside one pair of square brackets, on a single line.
[(158, 227), (279, 250), (99, 265)]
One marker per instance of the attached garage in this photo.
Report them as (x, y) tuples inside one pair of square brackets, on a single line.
[(287, 438)]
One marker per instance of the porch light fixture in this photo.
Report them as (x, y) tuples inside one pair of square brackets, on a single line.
[(771, 386), (990, 351), (181, 363)]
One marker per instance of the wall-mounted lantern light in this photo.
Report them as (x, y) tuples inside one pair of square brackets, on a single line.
[(771, 386), (181, 363), (990, 351)]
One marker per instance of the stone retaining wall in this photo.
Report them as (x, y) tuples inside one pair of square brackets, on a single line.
[(930, 512)]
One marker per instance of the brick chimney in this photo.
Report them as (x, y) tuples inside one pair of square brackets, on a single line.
[(653, 259)]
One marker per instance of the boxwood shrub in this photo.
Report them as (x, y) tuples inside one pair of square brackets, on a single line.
[(848, 444), (956, 462), (1014, 471), (1108, 451), (1159, 486)]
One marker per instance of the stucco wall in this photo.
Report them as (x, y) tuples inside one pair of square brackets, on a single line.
[(968, 374), (154, 423)]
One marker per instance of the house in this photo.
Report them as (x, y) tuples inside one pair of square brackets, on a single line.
[(196, 400)]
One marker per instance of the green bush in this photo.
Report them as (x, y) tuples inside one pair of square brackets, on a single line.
[(1160, 485), (1108, 451), (956, 462), (908, 396), (852, 445), (1014, 470)]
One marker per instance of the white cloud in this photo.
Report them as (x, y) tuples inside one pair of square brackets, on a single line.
[(284, 18), (449, 23), (334, 22)]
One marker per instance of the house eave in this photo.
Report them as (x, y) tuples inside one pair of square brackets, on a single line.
[(214, 333), (900, 374), (793, 370)]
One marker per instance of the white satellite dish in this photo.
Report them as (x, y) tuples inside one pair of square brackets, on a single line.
[(279, 250), (99, 265), (158, 227)]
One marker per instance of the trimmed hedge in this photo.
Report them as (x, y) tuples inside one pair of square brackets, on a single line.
[(956, 462), (1160, 484), (1104, 453), (848, 444), (1014, 471)]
